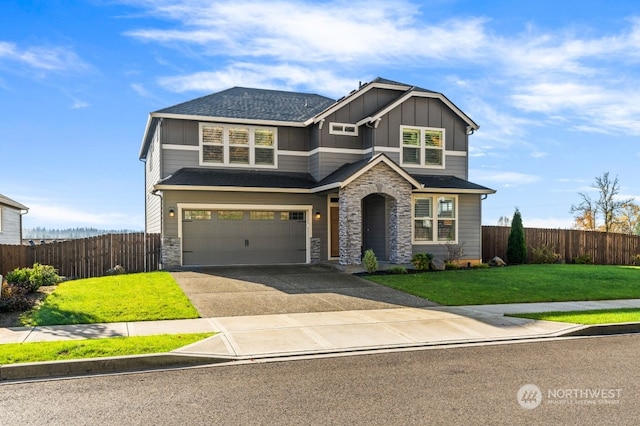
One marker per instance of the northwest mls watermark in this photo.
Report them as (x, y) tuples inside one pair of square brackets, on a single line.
[(530, 396)]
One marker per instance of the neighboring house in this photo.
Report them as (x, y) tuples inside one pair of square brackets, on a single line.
[(252, 176), (11, 220)]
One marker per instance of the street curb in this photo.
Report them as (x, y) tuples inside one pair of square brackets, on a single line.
[(605, 329), (54, 369), (50, 369)]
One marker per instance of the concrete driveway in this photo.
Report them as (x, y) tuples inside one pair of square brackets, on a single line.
[(285, 289)]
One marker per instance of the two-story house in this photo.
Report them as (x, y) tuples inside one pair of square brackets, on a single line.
[(11, 220), (252, 176)]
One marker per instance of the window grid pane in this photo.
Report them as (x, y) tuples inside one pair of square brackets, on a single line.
[(446, 230), (423, 230), (433, 157), (411, 155), (422, 208), (197, 215), (238, 155), (212, 154), (230, 215), (433, 138), (256, 215), (213, 135), (264, 156), (264, 137), (239, 136), (411, 137)]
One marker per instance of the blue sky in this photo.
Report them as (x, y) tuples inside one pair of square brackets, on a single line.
[(554, 85)]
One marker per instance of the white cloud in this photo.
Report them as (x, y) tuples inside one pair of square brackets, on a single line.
[(41, 57), (505, 178), (549, 222), (263, 76)]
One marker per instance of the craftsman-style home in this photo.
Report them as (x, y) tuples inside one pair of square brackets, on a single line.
[(253, 176)]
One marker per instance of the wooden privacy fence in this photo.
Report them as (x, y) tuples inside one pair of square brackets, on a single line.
[(603, 248), (87, 257)]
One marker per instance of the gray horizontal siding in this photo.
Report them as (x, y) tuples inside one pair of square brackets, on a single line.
[(293, 163), (469, 231), (328, 162), (153, 172), (454, 166), (175, 159), (10, 227)]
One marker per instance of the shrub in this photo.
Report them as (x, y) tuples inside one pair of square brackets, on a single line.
[(13, 298), (544, 255), (636, 260), (421, 261), (34, 277), (480, 266), (516, 245), (454, 252), (370, 261), (397, 270), (583, 259), (451, 266)]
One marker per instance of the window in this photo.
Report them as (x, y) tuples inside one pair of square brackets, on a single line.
[(230, 215), (291, 215), (343, 129), (422, 146), (434, 219), (262, 215), (237, 145), (197, 215)]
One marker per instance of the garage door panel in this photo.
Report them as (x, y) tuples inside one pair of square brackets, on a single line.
[(236, 238)]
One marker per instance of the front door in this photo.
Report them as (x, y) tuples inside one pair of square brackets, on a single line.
[(374, 225)]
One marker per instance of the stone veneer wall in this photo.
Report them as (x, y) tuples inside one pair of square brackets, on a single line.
[(382, 180), (315, 250), (170, 255)]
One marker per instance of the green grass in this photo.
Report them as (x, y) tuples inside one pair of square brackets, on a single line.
[(118, 298), (600, 316), (14, 353), (520, 284)]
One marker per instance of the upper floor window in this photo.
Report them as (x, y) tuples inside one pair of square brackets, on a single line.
[(237, 145), (422, 146), (343, 129)]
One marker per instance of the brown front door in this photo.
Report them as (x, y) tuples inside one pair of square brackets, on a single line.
[(335, 234)]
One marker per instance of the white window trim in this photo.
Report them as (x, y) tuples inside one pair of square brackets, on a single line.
[(333, 131), (435, 219), (225, 146), (422, 148)]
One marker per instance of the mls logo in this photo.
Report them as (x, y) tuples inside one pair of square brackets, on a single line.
[(529, 396)]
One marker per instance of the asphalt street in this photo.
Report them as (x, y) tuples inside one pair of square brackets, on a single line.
[(581, 381)]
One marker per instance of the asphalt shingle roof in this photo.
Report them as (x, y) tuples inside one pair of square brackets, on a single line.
[(290, 180), (254, 104), (239, 178)]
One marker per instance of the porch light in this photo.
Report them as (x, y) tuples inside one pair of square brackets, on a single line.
[(318, 215), (172, 213)]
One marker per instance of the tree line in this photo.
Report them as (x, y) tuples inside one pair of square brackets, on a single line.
[(40, 233)]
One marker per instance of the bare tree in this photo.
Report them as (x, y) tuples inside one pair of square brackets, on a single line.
[(585, 213), (629, 220), (608, 206), (504, 221)]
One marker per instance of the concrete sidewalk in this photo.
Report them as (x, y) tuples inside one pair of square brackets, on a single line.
[(280, 335), (326, 332)]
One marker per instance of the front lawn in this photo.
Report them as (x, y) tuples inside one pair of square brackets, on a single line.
[(599, 316), (14, 353), (519, 284), (117, 298)]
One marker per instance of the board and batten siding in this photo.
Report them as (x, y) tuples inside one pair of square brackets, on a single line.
[(469, 231), (10, 226), (423, 112)]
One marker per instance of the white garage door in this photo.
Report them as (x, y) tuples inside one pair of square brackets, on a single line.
[(243, 237)]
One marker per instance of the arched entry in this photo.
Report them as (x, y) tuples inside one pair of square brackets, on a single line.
[(375, 229)]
